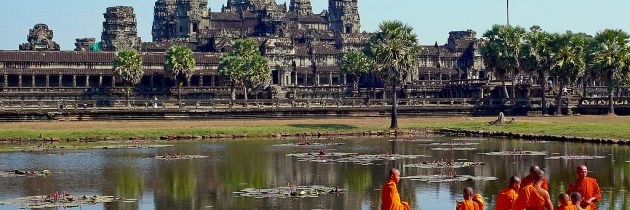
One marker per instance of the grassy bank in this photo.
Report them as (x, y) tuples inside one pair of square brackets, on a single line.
[(579, 126)]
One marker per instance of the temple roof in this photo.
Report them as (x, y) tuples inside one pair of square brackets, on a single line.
[(92, 57)]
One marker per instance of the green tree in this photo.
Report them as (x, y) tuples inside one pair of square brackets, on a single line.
[(568, 61), (501, 53), (612, 60), (395, 52), (244, 66), (128, 69), (179, 62), (354, 64), (536, 59)]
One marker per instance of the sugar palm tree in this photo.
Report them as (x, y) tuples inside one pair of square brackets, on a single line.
[(394, 50), (568, 61), (536, 59), (179, 62), (355, 63), (244, 66), (128, 69), (611, 59), (501, 53)]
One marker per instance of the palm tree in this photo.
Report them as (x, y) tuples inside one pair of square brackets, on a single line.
[(568, 61), (501, 53), (128, 69), (612, 60), (394, 50), (354, 64), (244, 66), (536, 59), (180, 63), (231, 67)]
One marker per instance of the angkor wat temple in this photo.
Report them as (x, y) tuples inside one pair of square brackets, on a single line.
[(304, 49)]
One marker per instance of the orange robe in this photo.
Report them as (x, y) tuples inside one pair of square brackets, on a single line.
[(391, 198), (588, 188), (472, 205), (506, 199), (530, 179), (569, 206), (529, 198)]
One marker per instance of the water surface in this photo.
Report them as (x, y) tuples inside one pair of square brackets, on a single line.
[(237, 164)]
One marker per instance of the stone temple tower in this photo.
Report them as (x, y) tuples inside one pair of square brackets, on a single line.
[(192, 16), (120, 29), (164, 20), (344, 16), (301, 7)]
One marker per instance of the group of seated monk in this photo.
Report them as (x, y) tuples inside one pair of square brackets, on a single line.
[(533, 195)]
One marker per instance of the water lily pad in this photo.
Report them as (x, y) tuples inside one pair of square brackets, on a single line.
[(516, 153), (445, 178), (45, 201), (364, 159), (179, 157), (289, 192), (441, 165), (453, 149), (454, 144), (308, 144), (575, 157), (469, 139), (24, 173), (411, 140), (131, 146)]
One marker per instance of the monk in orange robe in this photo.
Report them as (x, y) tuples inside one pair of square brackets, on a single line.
[(534, 197), (565, 203), (576, 198), (389, 194), (587, 187), (507, 197), (529, 179), (471, 202)]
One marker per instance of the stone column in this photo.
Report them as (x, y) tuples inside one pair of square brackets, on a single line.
[(6, 80), (47, 80), (100, 80), (295, 81), (213, 81), (317, 79), (20, 80), (74, 80), (305, 79), (87, 81), (33, 80), (113, 81), (60, 80), (200, 80), (345, 79), (188, 82), (330, 80)]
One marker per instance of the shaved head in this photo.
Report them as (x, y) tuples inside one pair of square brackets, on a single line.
[(576, 196), (515, 180), (468, 193), (534, 168), (539, 175), (564, 199), (581, 171), (394, 175)]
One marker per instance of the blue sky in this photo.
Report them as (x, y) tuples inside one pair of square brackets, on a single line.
[(432, 19)]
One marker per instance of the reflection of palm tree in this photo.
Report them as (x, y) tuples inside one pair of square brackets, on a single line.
[(357, 179), (245, 166), (127, 184), (178, 186)]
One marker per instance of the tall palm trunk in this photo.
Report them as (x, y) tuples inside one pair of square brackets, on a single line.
[(543, 90), (559, 102), (611, 100), (505, 90), (514, 86), (394, 124), (128, 89), (179, 91), (245, 92)]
